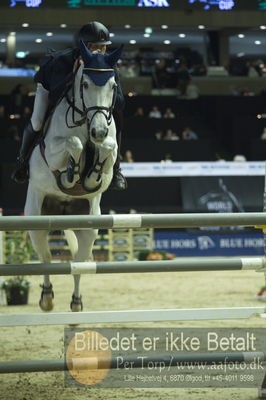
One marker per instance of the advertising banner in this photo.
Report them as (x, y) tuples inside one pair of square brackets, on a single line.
[(222, 194), (184, 244)]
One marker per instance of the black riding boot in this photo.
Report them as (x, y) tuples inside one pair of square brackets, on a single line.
[(29, 140), (119, 181)]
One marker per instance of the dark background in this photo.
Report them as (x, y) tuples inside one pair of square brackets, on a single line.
[(177, 4)]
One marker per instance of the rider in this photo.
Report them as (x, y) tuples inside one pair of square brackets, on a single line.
[(52, 79)]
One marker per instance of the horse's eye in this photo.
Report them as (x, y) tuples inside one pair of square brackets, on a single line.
[(85, 85)]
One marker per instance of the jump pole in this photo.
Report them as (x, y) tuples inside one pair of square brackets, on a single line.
[(126, 267), (127, 316), (76, 222), (119, 362)]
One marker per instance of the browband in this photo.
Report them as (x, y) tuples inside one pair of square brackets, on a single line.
[(100, 69)]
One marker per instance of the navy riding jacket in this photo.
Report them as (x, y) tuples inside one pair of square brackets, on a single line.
[(56, 71)]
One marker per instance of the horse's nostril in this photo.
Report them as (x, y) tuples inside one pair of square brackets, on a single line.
[(106, 132), (93, 132)]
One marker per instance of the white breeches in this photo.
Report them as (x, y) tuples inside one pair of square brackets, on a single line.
[(40, 107)]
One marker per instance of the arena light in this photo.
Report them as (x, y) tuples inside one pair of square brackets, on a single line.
[(167, 41), (25, 25), (241, 54), (182, 35), (257, 42), (63, 25), (201, 26), (148, 29), (132, 41), (38, 40), (21, 54), (3, 40), (127, 26), (111, 34), (147, 35), (49, 34), (263, 27), (241, 36), (164, 26)]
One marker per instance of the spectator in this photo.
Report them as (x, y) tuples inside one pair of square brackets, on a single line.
[(169, 113), (159, 134), (139, 112), (167, 158), (170, 135), (155, 113), (239, 158), (128, 157), (263, 136), (188, 134)]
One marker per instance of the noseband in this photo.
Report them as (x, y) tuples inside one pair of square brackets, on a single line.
[(84, 111)]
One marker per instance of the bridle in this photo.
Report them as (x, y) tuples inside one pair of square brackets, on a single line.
[(106, 111)]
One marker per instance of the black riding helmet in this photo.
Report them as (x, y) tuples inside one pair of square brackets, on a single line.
[(94, 32)]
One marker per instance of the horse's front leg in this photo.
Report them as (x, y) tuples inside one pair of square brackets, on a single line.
[(64, 153), (85, 241), (106, 156), (39, 240)]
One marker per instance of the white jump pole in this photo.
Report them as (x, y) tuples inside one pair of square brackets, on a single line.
[(77, 222), (125, 267), (127, 316)]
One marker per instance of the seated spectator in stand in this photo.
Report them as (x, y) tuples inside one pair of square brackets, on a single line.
[(167, 158), (155, 113), (239, 158), (159, 134), (255, 68), (169, 113), (128, 157), (188, 134), (139, 112), (263, 136), (170, 135), (246, 92)]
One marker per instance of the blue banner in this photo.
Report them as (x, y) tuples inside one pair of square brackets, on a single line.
[(205, 245)]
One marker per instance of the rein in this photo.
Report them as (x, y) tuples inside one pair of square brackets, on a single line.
[(84, 111)]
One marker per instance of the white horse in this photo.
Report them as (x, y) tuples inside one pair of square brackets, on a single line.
[(73, 165)]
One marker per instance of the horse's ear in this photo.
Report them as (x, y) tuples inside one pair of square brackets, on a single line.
[(85, 52), (113, 57)]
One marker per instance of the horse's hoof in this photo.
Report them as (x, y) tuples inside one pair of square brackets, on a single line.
[(76, 304), (46, 300)]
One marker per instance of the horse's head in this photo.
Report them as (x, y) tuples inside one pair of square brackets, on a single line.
[(96, 80)]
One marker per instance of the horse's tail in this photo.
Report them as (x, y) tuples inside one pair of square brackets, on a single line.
[(72, 242)]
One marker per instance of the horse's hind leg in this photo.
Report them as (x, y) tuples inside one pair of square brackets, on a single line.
[(39, 241), (85, 242)]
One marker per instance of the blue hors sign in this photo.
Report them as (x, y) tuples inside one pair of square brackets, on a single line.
[(153, 3), (28, 3)]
